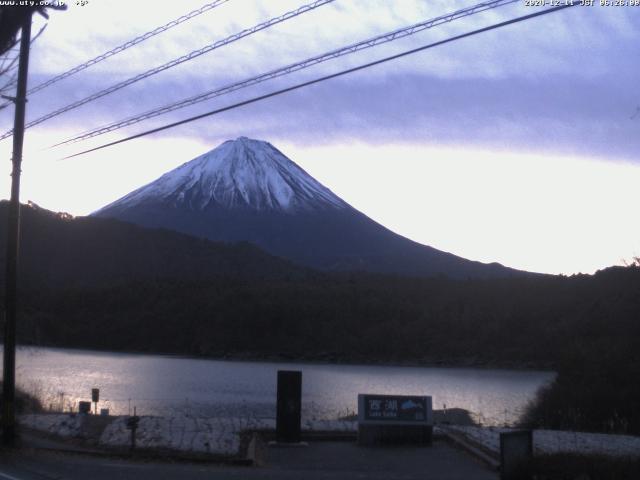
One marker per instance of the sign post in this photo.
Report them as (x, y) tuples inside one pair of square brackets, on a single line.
[(95, 398), (394, 419), (132, 424)]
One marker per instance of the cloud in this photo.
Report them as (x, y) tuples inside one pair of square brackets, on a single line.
[(564, 82), (571, 117)]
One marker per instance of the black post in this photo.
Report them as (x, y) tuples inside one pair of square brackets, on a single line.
[(13, 237), (288, 406), (516, 453)]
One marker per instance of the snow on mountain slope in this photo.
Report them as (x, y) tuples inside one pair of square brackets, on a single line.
[(247, 191), (241, 173)]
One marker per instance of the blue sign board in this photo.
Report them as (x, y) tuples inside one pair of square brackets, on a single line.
[(398, 409)]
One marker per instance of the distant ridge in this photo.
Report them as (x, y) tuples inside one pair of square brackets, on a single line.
[(59, 251)]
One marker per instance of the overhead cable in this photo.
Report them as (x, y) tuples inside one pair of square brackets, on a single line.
[(356, 47), (177, 61), (326, 77), (129, 44)]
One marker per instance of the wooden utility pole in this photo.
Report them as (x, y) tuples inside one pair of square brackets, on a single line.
[(13, 240)]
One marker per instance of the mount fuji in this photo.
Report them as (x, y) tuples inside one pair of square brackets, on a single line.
[(247, 190)]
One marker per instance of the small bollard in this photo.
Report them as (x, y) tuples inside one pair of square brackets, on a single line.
[(288, 409)]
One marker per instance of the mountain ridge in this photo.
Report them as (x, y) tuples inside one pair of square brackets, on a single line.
[(247, 190)]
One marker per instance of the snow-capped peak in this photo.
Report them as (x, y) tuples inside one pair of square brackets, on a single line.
[(241, 173)]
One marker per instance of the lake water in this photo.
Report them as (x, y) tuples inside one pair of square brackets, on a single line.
[(162, 385)]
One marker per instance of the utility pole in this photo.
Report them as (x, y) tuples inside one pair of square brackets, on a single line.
[(13, 240)]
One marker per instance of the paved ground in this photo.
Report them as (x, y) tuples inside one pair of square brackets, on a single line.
[(320, 460), (345, 460)]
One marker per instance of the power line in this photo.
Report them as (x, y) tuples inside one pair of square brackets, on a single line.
[(326, 77), (129, 44), (178, 61), (356, 47)]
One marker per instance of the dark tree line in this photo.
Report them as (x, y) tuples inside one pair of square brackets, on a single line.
[(585, 327)]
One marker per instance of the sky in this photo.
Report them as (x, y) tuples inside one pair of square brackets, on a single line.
[(520, 145)]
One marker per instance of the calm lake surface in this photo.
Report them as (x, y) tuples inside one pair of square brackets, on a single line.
[(161, 385)]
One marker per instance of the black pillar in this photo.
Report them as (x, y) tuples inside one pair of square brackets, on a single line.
[(288, 406)]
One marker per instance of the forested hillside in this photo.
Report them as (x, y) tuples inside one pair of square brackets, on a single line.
[(170, 293)]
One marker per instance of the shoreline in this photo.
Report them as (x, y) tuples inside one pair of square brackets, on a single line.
[(472, 362)]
